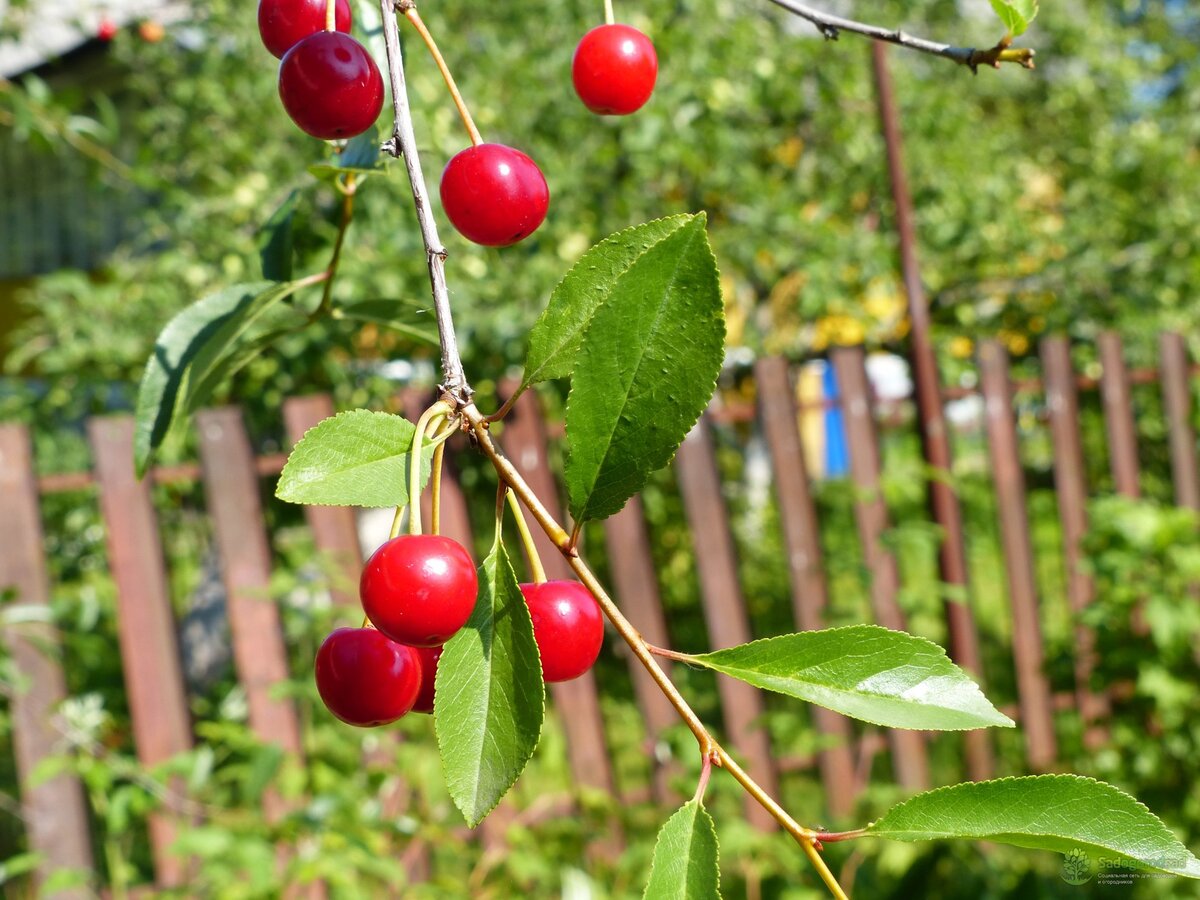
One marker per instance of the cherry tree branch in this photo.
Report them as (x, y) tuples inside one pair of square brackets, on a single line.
[(403, 142), (456, 389), (832, 26)]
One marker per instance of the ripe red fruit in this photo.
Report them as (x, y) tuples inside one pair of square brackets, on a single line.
[(284, 23), (106, 30), (330, 86), (567, 625), (614, 69), (494, 195), (419, 589), (428, 657), (366, 679)]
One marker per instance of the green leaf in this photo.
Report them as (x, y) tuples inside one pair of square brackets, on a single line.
[(871, 673), (1016, 14), (360, 157), (646, 369), (685, 857), (191, 355), (356, 458), (384, 313), (275, 240), (558, 332), (1064, 813), (489, 699)]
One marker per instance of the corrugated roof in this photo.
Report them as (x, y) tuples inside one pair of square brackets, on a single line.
[(50, 28)]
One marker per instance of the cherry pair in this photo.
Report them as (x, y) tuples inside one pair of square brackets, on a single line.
[(328, 82)]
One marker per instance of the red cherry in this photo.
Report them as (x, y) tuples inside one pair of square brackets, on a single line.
[(419, 589), (106, 30), (567, 625), (429, 657), (614, 69), (330, 86), (494, 195), (284, 23), (366, 679)]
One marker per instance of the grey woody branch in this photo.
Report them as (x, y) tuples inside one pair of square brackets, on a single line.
[(404, 143), (832, 26)]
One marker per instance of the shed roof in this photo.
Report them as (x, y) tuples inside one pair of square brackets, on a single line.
[(48, 29)]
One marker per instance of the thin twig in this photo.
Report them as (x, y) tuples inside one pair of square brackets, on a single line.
[(335, 257), (831, 26)]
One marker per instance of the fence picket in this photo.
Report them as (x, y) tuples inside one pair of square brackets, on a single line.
[(1177, 402), (1062, 403), (334, 530), (909, 757), (1118, 415), (232, 488), (1033, 688), (635, 589), (146, 626), (777, 403), (724, 609), (54, 810)]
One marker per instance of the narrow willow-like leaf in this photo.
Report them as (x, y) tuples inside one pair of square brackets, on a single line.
[(356, 458), (275, 240), (188, 357), (385, 313), (556, 335), (490, 700), (1063, 813), (864, 671), (685, 865), (645, 371), (1016, 14)]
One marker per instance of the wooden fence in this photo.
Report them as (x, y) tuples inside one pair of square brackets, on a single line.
[(230, 472)]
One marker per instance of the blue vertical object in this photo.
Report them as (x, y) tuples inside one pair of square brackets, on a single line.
[(837, 454)]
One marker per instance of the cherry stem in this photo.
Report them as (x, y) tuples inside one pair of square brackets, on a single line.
[(331, 15), (347, 192), (410, 13), (438, 411), (609, 18), (435, 492), (531, 553)]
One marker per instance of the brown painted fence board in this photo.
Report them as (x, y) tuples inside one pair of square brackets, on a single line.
[(909, 758), (578, 704), (55, 813), (232, 487), (635, 589), (724, 609), (334, 530), (1062, 403), (1118, 415), (1037, 714), (777, 403), (1177, 401), (146, 626)]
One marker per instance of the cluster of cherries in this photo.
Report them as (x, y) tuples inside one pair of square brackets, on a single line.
[(417, 591), (493, 194)]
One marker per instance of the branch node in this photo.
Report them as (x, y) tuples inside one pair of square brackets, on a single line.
[(403, 6)]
